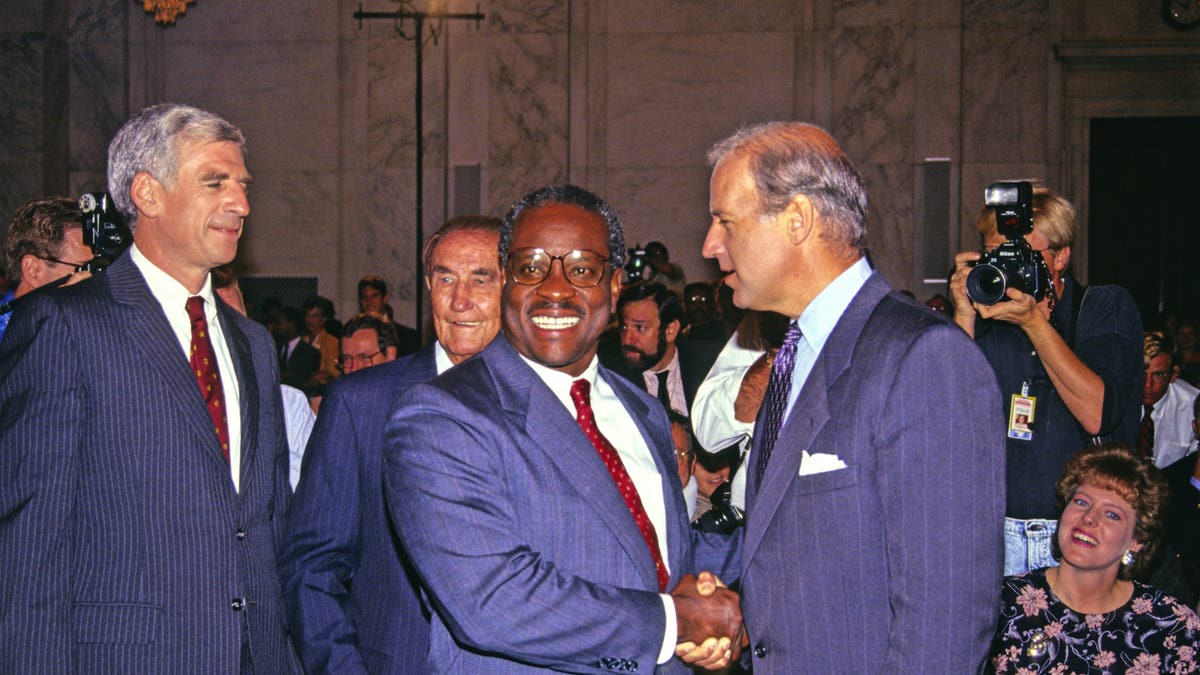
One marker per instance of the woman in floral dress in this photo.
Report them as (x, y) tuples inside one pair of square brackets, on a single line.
[(1087, 615)]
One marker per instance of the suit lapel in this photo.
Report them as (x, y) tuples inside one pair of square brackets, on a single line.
[(675, 509), (423, 367), (158, 344), (243, 365), (554, 431), (809, 414)]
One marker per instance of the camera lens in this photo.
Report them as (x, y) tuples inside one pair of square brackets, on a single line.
[(986, 284)]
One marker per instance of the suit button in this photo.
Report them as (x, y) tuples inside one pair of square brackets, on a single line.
[(238, 604), (241, 534), (760, 650)]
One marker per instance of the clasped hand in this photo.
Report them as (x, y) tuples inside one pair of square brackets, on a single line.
[(711, 634)]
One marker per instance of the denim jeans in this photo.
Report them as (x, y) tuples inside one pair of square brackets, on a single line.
[(1027, 544)]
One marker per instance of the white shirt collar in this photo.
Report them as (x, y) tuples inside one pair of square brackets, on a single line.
[(171, 294), (560, 382), (822, 314), (441, 358)]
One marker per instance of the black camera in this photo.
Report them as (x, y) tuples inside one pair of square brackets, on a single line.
[(723, 517), (637, 265), (1013, 264), (104, 230)]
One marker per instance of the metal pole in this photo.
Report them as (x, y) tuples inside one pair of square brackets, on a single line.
[(420, 225), (419, 20)]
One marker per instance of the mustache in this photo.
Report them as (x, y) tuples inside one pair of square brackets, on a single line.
[(562, 305)]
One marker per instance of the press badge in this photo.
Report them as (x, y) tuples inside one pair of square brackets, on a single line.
[(1020, 415)]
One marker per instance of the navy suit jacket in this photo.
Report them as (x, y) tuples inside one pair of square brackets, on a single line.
[(1183, 517), (352, 597), (125, 547), (304, 360), (892, 564), (522, 540)]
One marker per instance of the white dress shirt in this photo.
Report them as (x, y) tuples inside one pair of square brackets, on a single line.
[(1173, 436), (712, 416), (172, 297), (298, 420), (674, 384), (617, 425), (713, 420)]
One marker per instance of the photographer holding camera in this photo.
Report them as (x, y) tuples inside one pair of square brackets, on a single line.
[(44, 245), (1067, 358)]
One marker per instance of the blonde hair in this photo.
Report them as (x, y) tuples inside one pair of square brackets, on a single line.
[(1053, 217)]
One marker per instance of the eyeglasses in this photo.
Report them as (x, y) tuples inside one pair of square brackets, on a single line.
[(362, 360), (75, 267), (582, 268)]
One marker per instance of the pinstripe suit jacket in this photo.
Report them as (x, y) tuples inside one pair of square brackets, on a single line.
[(892, 564), (524, 544), (125, 547), (352, 597)]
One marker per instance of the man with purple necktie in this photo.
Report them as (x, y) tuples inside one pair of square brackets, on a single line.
[(875, 511)]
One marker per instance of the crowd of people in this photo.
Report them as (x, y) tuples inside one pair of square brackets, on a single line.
[(593, 465)]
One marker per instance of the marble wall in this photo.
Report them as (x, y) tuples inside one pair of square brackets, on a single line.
[(621, 96)]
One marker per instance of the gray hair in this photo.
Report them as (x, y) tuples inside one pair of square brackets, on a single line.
[(150, 142), (791, 158)]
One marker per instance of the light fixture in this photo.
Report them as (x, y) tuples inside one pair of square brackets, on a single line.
[(166, 11)]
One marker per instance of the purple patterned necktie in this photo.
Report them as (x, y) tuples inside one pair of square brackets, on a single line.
[(776, 399)]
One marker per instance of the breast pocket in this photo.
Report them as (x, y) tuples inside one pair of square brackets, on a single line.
[(826, 481)]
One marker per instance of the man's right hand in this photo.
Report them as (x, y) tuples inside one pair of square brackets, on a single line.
[(709, 622), (964, 310)]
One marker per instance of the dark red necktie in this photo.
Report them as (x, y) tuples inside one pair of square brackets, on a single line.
[(1146, 433), (204, 365), (581, 395)]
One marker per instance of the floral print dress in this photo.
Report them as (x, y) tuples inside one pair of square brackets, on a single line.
[(1152, 633)]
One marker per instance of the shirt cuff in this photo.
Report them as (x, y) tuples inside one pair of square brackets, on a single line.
[(672, 632)]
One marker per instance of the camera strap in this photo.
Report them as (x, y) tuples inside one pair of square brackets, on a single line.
[(1078, 293)]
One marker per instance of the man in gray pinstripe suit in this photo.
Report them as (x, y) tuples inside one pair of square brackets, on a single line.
[(144, 485), (875, 497)]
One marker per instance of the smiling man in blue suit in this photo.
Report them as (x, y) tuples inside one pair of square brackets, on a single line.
[(536, 492), (352, 596), (875, 499), (141, 437)]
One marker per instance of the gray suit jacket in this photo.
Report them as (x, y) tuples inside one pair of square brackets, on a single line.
[(893, 563), (525, 545), (125, 547)]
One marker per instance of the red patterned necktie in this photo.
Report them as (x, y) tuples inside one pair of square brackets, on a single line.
[(1146, 433), (581, 395), (204, 365)]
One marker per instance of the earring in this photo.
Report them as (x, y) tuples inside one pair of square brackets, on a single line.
[(1127, 558)]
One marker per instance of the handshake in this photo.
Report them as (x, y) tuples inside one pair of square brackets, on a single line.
[(708, 618)]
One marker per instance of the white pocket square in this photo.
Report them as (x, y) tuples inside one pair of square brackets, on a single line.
[(819, 463)]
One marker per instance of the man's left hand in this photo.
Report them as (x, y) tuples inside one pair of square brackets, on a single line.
[(1020, 309)]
